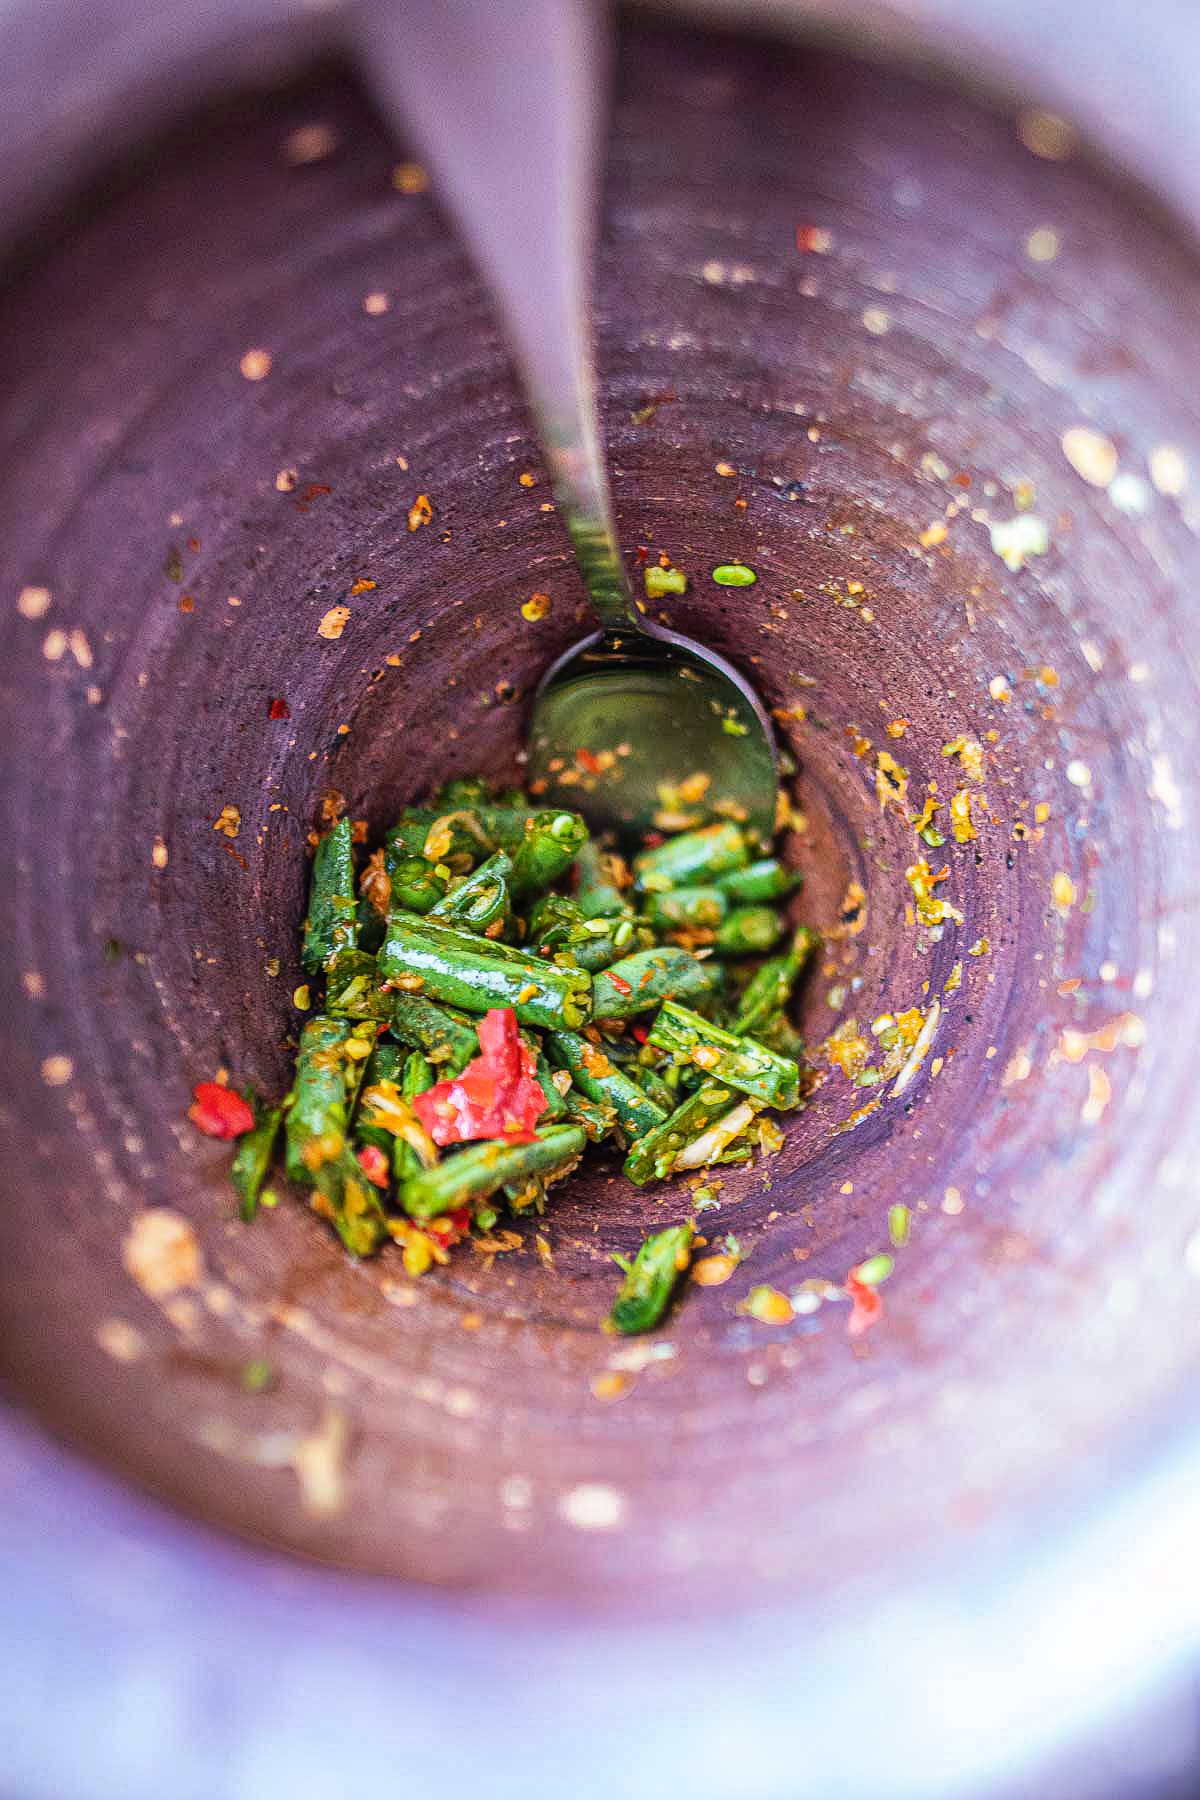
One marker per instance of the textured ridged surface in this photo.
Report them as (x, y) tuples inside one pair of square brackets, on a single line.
[(923, 346)]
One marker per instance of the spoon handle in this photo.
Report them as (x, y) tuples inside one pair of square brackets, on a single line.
[(506, 97)]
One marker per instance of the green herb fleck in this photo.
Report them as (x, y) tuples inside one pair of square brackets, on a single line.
[(258, 1376), (899, 1220), (734, 575), (875, 1269), (660, 581)]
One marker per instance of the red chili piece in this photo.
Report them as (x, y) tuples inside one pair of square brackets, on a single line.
[(218, 1111), (867, 1309), (279, 709), (374, 1164), (620, 983), (496, 1096)]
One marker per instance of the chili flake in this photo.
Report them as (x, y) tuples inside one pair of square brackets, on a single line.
[(867, 1309), (420, 512), (891, 781), (536, 607), (961, 822), (1062, 893), (334, 622), (228, 821)]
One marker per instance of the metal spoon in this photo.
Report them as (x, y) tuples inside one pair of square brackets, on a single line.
[(636, 725)]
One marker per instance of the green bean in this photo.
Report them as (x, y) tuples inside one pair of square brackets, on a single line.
[(780, 1035), (749, 931), (448, 1038), (601, 1079), (478, 974), (556, 1106), (556, 923), (328, 1077), (455, 839), (418, 1077), (481, 902), (654, 1156), (653, 1085), (463, 791), (771, 988), (692, 857), (595, 1117), (350, 1203), (548, 847), (644, 1294), (332, 908), (416, 885), (638, 983), (370, 924), (686, 908), (354, 988), (597, 893), (386, 1063), (482, 1169), (252, 1162), (766, 879), (741, 1062)]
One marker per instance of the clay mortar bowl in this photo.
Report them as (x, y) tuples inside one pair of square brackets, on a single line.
[(893, 389)]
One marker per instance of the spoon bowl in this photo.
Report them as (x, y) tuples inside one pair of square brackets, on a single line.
[(647, 730)]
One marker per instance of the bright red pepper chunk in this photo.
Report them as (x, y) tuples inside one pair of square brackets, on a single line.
[(374, 1164), (496, 1096), (867, 1309), (620, 983), (218, 1111), (279, 709)]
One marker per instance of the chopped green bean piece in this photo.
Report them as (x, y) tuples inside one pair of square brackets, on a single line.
[(596, 1117), (654, 1156), (598, 892), (692, 857), (771, 988), (386, 1063), (749, 931), (556, 924), (548, 847), (742, 1062), (448, 1038), (252, 1161), (332, 920), (638, 983), (686, 908), (329, 1072), (481, 903), (601, 1079), (354, 987), (483, 1169), (463, 791), (418, 1076), (478, 974), (766, 879), (644, 1294), (416, 884)]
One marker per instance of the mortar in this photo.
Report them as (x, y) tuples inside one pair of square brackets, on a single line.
[(869, 298)]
